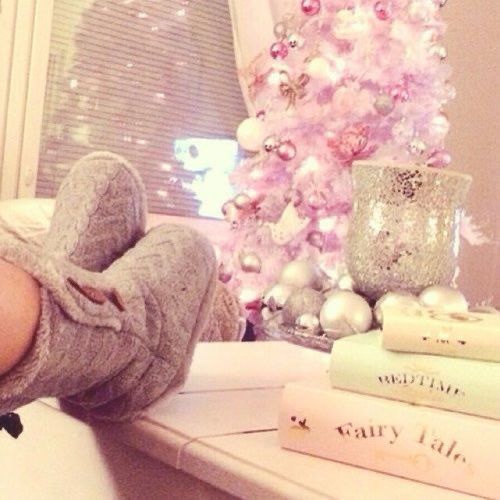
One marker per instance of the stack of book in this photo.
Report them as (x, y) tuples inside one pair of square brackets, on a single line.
[(419, 399)]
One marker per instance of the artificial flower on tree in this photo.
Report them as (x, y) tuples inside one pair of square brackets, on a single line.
[(344, 80)]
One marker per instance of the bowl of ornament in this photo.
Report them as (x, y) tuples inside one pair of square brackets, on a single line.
[(307, 308)]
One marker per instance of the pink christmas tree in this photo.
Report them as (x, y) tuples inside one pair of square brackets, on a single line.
[(345, 80)]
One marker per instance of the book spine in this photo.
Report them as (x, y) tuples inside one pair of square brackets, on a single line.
[(464, 335), (442, 448), (464, 385)]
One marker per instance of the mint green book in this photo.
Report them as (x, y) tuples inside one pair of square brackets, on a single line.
[(360, 364)]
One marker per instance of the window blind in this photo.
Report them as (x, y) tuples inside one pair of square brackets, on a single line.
[(152, 80)]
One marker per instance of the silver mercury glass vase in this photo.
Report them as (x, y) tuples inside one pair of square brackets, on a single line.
[(404, 228)]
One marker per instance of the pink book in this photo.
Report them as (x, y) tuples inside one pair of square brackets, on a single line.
[(439, 447)]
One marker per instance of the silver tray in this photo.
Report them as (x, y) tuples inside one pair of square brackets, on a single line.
[(273, 329)]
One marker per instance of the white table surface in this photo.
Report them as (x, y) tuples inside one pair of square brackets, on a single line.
[(222, 430)]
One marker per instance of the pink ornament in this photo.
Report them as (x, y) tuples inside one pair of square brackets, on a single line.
[(286, 150), (310, 7), (293, 196), (256, 197), (224, 275), (439, 159), (382, 10), (279, 50), (316, 239)]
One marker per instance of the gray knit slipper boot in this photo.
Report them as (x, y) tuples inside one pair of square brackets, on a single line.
[(100, 212), (227, 323), (112, 343)]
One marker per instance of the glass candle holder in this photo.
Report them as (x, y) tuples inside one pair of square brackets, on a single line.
[(404, 228)]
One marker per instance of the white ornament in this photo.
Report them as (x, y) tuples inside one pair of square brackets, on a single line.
[(394, 299), (345, 313), (251, 134), (301, 274), (417, 147), (288, 226), (351, 24), (319, 68), (439, 126), (444, 298)]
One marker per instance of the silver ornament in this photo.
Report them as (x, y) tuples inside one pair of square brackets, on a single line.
[(308, 323), (230, 212), (302, 273), (242, 201), (250, 262), (280, 30), (276, 296), (267, 314), (444, 298), (345, 282), (302, 301), (384, 104), (394, 299), (345, 313)]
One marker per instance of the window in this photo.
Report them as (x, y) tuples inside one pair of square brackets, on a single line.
[(152, 80)]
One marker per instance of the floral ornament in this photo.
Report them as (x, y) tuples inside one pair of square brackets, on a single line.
[(352, 143)]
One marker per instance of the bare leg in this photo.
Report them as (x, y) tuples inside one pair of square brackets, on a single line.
[(19, 314)]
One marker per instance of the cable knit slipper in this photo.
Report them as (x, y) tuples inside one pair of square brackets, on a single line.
[(100, 212), (112, 343)]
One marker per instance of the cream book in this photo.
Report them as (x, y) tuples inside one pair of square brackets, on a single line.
[(359, 363), (465, 335), (447, 449)]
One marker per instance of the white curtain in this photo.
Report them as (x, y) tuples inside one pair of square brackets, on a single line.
[(253, 23)]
